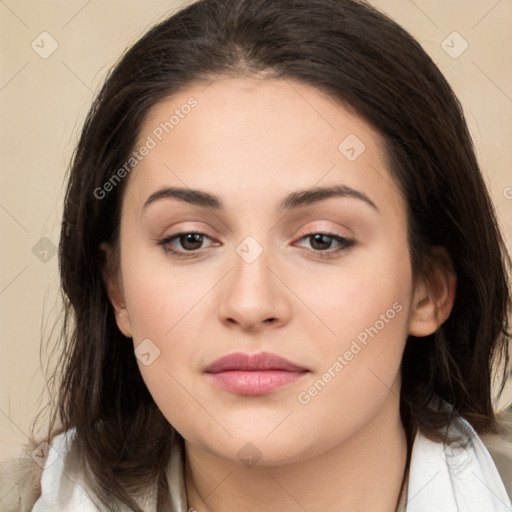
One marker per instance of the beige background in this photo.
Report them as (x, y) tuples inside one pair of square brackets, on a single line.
[(44, 101)]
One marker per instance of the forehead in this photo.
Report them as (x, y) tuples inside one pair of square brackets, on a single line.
[(263, 136)]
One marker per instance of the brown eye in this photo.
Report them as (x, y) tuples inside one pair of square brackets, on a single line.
[(328, 242), (191, 241), (185, 244), (320, 241)]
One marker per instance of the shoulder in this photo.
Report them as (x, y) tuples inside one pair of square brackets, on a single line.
[(500, 448), (457, 475), (62, 482), (22, 478), (20, 484), (44, 479)]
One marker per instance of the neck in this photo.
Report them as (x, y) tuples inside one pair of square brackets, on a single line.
[(363, 472)]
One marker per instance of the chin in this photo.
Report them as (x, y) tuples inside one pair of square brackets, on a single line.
[(255, 447)]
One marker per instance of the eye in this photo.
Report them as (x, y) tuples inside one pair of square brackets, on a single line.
[(323, 243), (182, 243)]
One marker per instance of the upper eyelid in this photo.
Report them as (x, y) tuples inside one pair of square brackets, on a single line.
[(312, 230)]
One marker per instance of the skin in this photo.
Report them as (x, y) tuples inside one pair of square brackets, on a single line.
[(251, 141)]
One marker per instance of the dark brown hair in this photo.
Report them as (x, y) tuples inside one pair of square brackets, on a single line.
[(363, 59)]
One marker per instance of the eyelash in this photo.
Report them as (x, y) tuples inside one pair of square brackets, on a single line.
[(345, 245)]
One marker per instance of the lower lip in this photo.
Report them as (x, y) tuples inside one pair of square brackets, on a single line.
[(254, 382)]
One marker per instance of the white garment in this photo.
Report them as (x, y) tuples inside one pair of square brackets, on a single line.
[(453, 478), (441, 479)]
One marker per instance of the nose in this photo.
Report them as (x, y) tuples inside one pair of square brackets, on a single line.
[(253, 297)]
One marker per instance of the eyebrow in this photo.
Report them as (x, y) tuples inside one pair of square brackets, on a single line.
[(294, 200)]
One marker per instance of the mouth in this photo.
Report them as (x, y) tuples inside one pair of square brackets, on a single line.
[(254, 375)]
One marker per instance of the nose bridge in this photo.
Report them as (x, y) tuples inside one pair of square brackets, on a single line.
[(251, 276), (252, 294)]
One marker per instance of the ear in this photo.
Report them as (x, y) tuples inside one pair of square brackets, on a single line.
[(114, 286), (434, 295)]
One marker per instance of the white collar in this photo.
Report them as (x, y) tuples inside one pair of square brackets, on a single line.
[(456, 477)]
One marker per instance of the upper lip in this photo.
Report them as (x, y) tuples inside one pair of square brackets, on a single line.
[(253, 362)]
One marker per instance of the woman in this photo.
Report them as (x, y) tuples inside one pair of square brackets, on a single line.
[(285, 285)]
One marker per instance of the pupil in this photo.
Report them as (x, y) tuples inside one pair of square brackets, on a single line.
[(191, 241), (321, 241)]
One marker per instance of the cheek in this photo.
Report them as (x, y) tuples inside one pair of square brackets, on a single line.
[(360, 365), (160, 295), (365, 291), (166, 306), (366, 306)]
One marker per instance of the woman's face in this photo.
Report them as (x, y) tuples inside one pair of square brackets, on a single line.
[(322, 279)]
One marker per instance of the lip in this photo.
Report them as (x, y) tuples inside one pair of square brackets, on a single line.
[(253, 362), (253, 374)]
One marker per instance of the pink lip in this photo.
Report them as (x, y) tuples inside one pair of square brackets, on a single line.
[(257, 374)]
